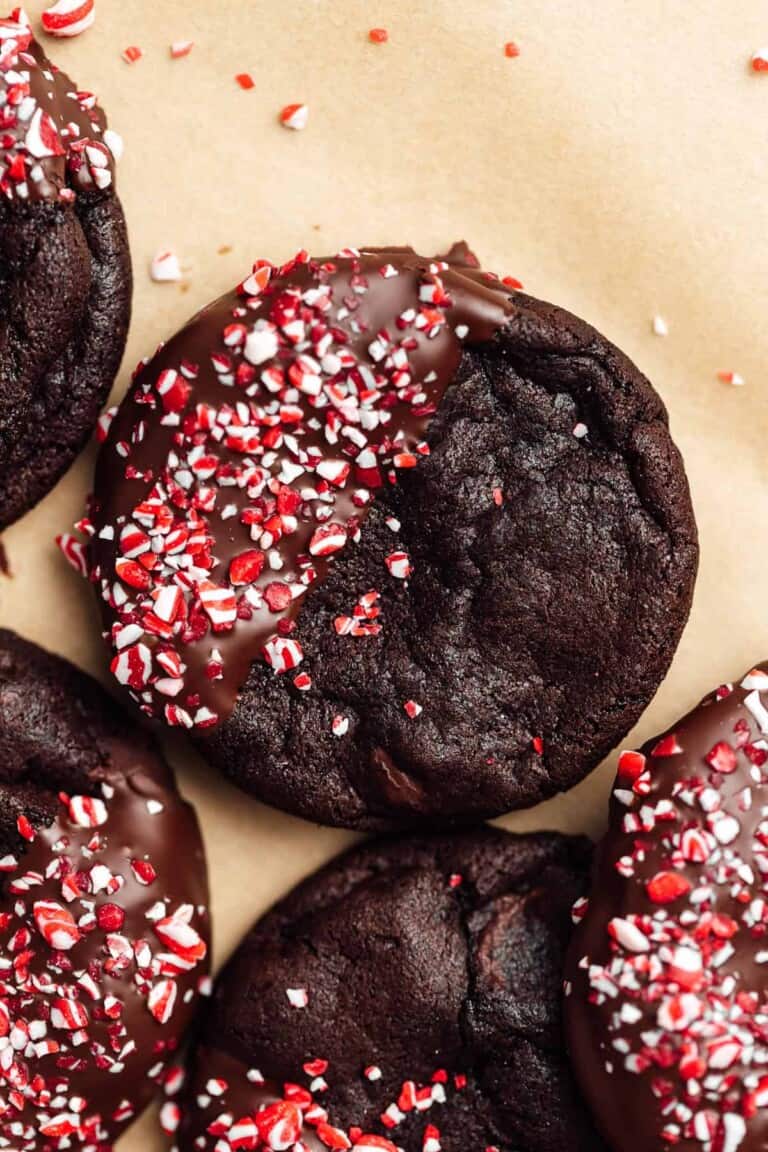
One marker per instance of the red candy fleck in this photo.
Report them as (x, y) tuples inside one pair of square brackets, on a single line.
[(722, 757), (378, 36), (110, 917), (132, 54), (246, 567), (631, 765), (245, 80), (278, 596), (665, 887), (668, 746), (511, 49), (24, 828)]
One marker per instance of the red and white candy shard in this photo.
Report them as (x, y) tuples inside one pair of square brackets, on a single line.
[(680, 995), (294, 116), (77, 982), (69, 17), (181, 48)]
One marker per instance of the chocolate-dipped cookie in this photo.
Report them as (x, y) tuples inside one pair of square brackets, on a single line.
[(407, 996), (667, 1007), (104, 926), (392, 542), (65, 274)]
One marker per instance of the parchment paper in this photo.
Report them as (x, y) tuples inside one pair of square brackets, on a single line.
[(617, 166)]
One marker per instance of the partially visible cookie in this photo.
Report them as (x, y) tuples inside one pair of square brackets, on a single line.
[(668, 971), (65, 273), (104, 928), (406, 996), (395, 544)]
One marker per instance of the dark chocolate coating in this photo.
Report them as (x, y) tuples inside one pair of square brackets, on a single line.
[(411, 972), (65, 285), (551, 573), (667, 1009), (65, 745)]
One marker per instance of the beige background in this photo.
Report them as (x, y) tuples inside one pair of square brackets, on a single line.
[(618, 167)]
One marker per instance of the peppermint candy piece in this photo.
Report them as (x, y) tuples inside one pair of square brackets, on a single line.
[(162, 1000), (56, 925), (68, 18), (294, 116)]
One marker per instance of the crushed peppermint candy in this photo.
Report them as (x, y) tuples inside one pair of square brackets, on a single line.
[(91, 963), (69, 17), (181, 48), (54, 142), (165, 267), (673, 990), (234, 1108), (243, 461), (295, 116)]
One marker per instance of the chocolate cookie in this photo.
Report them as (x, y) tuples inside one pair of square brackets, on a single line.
[(406, 997), (667, 1008), (392, 542), (65, 274), (103, 936)]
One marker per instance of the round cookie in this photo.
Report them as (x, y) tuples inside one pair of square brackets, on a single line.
[(103, 936), (407, 996), (392, 542), (667, 1010), (65, 273)]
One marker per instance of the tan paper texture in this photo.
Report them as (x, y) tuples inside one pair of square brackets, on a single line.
[(617, 167)]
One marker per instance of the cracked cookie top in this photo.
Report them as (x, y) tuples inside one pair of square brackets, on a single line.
[(390, 540), (405, 997)]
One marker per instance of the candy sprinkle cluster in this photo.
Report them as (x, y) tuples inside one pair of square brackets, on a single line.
[(95, 963), (47, 128), (295, 1120), (683, 994), (242, 462)]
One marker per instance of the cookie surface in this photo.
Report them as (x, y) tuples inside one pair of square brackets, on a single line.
[(408, 995), (393, 542), (667, 1009), (103, 938), (65, 275)]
